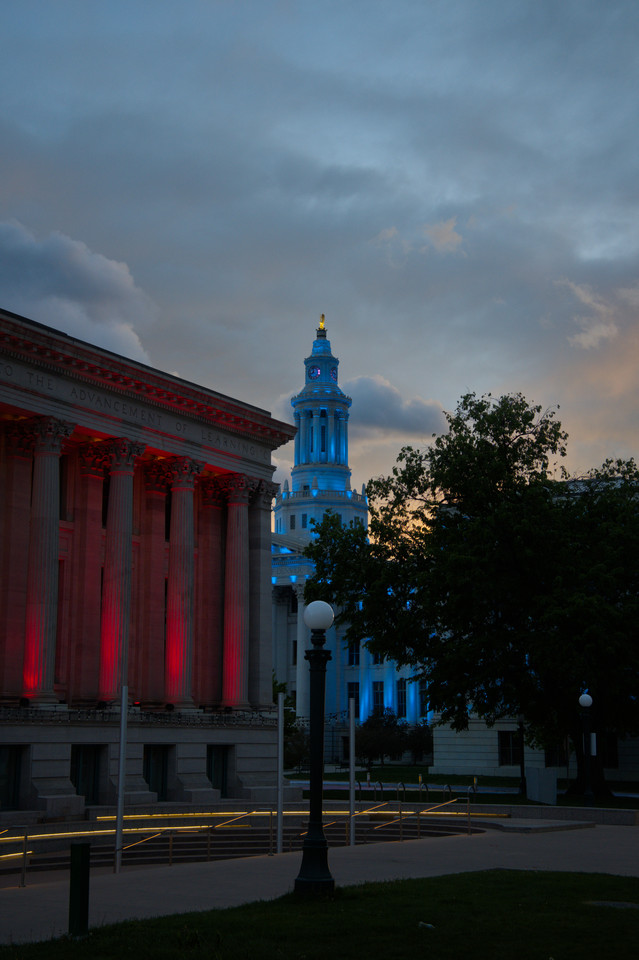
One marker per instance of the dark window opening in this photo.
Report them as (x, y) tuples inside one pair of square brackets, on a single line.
[(85, 771), (156, 769), (10, 770), (217, 761)]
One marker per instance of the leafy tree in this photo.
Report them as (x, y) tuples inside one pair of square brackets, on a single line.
[(508, 586)]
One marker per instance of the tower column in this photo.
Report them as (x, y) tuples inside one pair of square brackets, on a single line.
[(330, 440), (179, 605), (118, 553), (317, 436), (298, 436), (236, 593), (42, 573)]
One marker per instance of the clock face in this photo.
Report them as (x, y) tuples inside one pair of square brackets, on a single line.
[(334, 374), (313, 373)]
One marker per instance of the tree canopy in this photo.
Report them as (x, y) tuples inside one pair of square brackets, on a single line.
[(507, 585)]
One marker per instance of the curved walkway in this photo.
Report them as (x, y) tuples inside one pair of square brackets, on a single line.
[(40, 911)]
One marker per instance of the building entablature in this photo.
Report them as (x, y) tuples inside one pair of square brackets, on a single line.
[(70, 374)]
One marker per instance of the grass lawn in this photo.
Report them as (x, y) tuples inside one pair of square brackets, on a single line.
[(495, 915)]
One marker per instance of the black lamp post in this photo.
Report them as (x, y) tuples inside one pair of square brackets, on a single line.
[(314, 878), (585, 702)]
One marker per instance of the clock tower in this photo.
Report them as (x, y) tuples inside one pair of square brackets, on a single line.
[(321, 476)]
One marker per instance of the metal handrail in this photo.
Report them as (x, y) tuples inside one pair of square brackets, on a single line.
[(402, 785)]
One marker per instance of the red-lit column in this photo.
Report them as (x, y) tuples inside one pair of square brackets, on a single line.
[(260, 596), (148, 666), (84, 672), (42, 575), (179, 601), (116, 584), (236, 593), (207, 654), (14, 554)]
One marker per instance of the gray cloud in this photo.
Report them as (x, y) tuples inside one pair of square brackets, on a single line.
[(454, 185), (379, 406), (60, 282)]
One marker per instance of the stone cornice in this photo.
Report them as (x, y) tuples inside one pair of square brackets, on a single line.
[(25, 340)]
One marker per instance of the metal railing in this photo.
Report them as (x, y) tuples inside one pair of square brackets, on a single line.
[(30, 842)]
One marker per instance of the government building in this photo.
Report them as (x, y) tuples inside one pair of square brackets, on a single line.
[(135, 552), (321, 481)]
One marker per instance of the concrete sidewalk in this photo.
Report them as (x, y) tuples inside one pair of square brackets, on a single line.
[(40, 911)]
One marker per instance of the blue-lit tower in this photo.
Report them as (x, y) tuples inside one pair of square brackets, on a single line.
[(321, 476), (321, 481)]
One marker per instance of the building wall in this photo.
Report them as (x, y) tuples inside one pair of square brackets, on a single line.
[(134, 549)]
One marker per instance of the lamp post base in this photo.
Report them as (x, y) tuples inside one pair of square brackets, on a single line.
[(314, 878), (314, 888)]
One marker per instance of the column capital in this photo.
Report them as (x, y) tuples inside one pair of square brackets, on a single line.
[(19, 438), (93, 459), (156, 476), (237, 487), (123, 453), (183, 471), (212, 492), (264, 493), (49, 434)]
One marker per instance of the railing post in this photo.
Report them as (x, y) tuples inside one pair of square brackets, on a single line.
[(270, 832), (401, 822), (23, 877), (170, 848), (208, 842)]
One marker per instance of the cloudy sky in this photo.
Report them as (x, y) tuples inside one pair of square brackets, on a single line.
[(454, 183)]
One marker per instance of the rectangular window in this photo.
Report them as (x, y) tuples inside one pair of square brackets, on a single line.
[(377, 659), (352, 692), (304, 521), (291, 522), (509, 743), (401, 697), (353, 654), (323, 439), (378, 696)]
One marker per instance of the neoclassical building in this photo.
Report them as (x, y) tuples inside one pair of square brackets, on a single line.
[(321, 481), (135, 535)]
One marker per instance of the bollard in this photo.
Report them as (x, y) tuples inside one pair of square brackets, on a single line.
[(79, 888)]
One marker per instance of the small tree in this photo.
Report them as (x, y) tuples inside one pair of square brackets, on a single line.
[(382, 735), (419, 740)]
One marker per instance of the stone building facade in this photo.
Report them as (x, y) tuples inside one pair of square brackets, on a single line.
[(135, 531)]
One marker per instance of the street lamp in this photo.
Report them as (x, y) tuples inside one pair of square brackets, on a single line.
[(585, 702), (314, 878)]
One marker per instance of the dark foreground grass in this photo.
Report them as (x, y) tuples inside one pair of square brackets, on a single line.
[(494, 915)]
